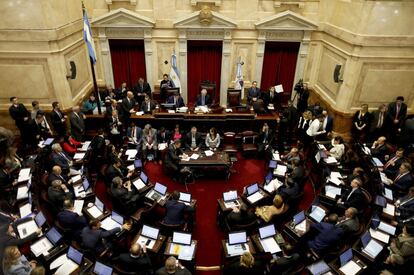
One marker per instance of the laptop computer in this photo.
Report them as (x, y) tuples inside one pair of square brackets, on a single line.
[(158, 192), (380, 201), (185, 198), (141, 182), (53, 235), (387, 228), (239, 237), (97, 209), (272, 164), (27, 228), (113, 221), (266, 235), (46, 243), (48, 141), (345, 257), (138, 164), (317, 213), (318, 268), (230, 197), (253, 194), (267, 231), (299, 217), (74, 257), (370, 246), (182, 238), (149, 236), (101, 269)]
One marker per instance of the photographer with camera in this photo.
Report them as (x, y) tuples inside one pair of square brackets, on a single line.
[(303, 93)]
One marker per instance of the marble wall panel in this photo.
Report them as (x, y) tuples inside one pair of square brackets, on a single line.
[(80, 56), (246, 51), (164, 51)]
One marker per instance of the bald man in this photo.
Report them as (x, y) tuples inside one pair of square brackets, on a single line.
[(127, 107), (136, 259), (171, 267), (77, 123), (203, 98)]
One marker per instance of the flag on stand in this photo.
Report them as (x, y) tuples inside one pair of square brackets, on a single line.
[(87, 36), (239, 83), (174, 73)]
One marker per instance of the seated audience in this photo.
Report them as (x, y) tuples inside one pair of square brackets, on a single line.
[(297, 172), (193, 140), (163, 136), (245, 265), (93, 237), (212, 139), (136, 260), (203, 99), (175, 210), (56, 174), (134, 134), (289, 157), (176, 134), (289, 190), (14, 263), (240, 215), (61, 159), (267, 212), (286, 263), (328, 235), (177, 100), (172, 266)]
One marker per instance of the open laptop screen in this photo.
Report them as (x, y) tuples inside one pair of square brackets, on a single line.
[(346, 257), (143, 177), (365, 238), (118, 218), (101, 269), (299, 217), (253, 188), (150, 232), (237, 237), (182, 238), (99, 204), (387, 228), (267, 231), (162, 189), (85, 184), (75, 255), (230, 195), (53, 235), (40, 219), (185, 197)]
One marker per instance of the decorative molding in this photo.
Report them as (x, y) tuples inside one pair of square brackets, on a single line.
[(192, 21), (287, 20), (216, 3), (132, 2), (123, 18), (279, 3)]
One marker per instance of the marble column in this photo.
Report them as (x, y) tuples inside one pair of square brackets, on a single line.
[(148, 55), (225, 68), (106, 57), (182, 62), (261, 41)]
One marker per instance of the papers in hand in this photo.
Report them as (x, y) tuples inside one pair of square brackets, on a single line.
[(209, 153), (279, 88), (350, 268), (24, 175), (186, 252), (270, 245)]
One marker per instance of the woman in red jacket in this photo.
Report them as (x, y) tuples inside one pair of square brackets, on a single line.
[(70, 145)]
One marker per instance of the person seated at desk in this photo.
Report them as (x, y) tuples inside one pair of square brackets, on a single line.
[(297, 172), (70, 220), (258, 106), (147, 105), (177, 134), (245, 265), (290, 190), (354, 197), (6, 182), (203, 99), (134, 134), (121, 92), (163, 135), (8, 237), (338, 148), (379, 149), (14, 263), (112, 107), (177, 100), (61, 159), (122, 191), (172, 159), (267, 212), (401, 251), (253, 92), (136, 259), (94, 238), (117, 170), (285, 264), (292, 155), (175, 210), (272, 98), (149, 141), (57, 193), (70, 145), (212, 139), (349, 222), (172, 267), (393, 164), (403, 180), (328, 235), (405, 206), (141, 89), (193, 140), (89, 105), (264, 142), (56, 174), (98, 145), (240, 216)]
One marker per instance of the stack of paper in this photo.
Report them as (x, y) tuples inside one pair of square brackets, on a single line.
[(194, 156), (280, 170), (186, 252), (27, 228), (209, 153), (350, 268), (24, 175), (162, 146), (22, 192), (270, 245), (389, 209)]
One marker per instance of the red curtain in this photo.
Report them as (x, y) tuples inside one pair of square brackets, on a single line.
[(203, 63), (128, 61), (279, 65)]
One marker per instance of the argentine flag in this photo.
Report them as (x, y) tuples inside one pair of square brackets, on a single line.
[(238, 83), (87, 36), (174, 73)]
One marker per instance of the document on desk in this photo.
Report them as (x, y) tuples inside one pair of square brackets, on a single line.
[(270, 245), (40, 247), (27, 228), (377, 162), (209, 153), (94, 212), (58, 261), (389, 209), (25, 210), (331, 160), (78, 156), (280, 170), (273, 185), (332, 191), (380, 236), (143, 240), (109, 224), (186, 252), (350, 268), (85, 146), (317, 213), (131, 153), (236, 249), (335, 175), (194, 156), (231, 204), (78, 206), (228, 110), (384, 178), (171, 111), (162, 146), (24, 175), (22, 192), (301, 226), (373, 248), (139, 184), (276, 156), (67, 268), (255, 197), (335, 181)]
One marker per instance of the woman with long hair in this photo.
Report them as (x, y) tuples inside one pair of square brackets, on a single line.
[(14, 263), (212, 139)]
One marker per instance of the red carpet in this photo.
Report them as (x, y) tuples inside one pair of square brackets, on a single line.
[(206, 191)]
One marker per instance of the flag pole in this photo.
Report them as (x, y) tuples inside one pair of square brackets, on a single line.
[(95, 85)]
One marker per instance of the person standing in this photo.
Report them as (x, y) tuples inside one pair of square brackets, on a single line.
[(397, 112), (58, 120), (164, 85), (20, 115), (77, 123), (141, 89), (360, 123)]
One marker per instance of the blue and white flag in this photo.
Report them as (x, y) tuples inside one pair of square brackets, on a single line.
[(238, 83), (174, 73), (87, 36)]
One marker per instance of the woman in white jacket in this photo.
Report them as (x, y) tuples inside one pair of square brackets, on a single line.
[(338, 148)]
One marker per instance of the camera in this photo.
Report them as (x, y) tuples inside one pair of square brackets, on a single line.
[(299, 86)]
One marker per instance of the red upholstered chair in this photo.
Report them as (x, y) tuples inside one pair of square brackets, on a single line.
[(249, 142), (233, 98), (229, 143)]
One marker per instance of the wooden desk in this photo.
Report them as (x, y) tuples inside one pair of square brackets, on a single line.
[(158, 244), (219, 160), (256, 240), (168, 247), (262, 201), (295, 234), (226, 253)]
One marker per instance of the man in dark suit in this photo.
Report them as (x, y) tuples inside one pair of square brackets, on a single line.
[(134, 134), (177, 100), (393, 164), (171, 267), (378, 123), (172, 158), (327, 126), (113, 106), (56, 174), (354, 197), (127, 107), (121, 91), (77, 123), (92, 236), (349, 222), (405, 206), (58, 193), (163, 135), (58, 120), (303, 93), (136, 259), (149, 141), (175, 210), (379, 149), (98, 145), (288, 123), (193, 140), (203, 99), (114, 127), (271, 97), (397, 112), (71, 220), (240, 216), (124, 194), (20, 115), (297, 172), (147, 105), (141, 89), (164, 85), (265, 141), (328, 235), (290, 190), (403, 180), (117, 170), (61, 159), (253, 92)]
